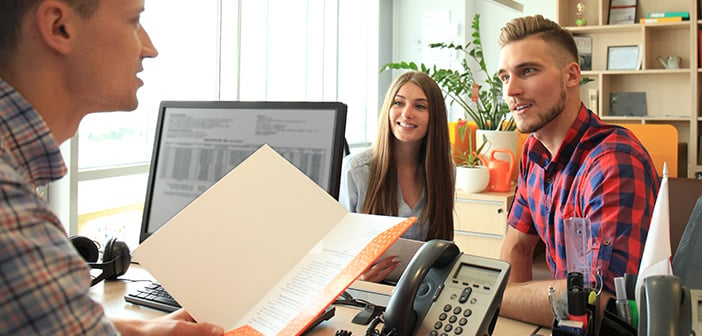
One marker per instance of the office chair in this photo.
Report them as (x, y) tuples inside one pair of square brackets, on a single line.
[(687, 263), (661, 142)]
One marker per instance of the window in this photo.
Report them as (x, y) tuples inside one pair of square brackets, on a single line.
[(229, 50)]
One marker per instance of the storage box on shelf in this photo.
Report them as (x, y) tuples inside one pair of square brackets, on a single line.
[(671, 94), (480, 222)]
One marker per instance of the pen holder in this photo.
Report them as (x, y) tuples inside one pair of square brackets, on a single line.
[(614, 325)]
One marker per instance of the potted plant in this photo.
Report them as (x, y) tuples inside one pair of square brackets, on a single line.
[(472, 174), (481, 100)]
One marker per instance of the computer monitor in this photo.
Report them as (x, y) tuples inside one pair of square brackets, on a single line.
[(198, 142)]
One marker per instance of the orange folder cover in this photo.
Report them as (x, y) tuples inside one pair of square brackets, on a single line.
[(264, 250)]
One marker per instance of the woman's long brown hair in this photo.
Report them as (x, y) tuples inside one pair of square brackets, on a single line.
[(435, 152)]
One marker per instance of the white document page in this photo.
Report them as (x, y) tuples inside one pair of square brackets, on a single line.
[(315, 271), (229, 248)]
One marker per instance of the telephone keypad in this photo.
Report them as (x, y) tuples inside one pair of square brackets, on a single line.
[(458, 317)]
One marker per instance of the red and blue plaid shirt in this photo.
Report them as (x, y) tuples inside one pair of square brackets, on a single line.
[(600, 172), (44, 283)]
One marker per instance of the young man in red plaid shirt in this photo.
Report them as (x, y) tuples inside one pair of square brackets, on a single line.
[(573, 165)]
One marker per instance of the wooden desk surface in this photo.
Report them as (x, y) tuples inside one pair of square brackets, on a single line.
[(111, 295)]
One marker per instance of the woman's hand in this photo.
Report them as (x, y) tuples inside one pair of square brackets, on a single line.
[(380, 270), (178, 322)]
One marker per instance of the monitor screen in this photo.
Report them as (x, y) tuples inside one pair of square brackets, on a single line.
[(197, 143)]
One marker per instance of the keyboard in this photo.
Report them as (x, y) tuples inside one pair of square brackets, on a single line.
[(153, 296)]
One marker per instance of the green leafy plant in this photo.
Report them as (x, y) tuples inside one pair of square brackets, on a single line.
[(481, 102)]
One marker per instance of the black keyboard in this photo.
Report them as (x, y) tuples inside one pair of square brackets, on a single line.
[(153, 296)]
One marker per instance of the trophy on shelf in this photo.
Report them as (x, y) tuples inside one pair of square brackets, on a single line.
[(580, 14)]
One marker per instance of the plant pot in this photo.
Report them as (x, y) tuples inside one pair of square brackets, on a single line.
[(472, 179), (508, 140), (498, 139)]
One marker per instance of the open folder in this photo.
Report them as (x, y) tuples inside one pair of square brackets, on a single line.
[(265, 249)]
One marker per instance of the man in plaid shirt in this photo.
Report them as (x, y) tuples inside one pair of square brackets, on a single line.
[(60, 60), (573, 165)]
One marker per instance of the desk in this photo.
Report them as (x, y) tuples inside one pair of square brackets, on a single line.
[(111, 296)]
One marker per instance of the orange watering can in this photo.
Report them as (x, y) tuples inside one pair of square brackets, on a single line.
[(500, 171)]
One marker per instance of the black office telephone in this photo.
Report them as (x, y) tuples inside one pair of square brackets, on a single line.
[(444, 291)]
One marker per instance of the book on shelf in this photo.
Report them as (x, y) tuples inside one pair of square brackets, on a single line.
[(699, 47), (248, 257), (584, 45), (661, 19), (683, 15)]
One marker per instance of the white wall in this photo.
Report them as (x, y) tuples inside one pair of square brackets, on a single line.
[(414, 26), (493, 16)]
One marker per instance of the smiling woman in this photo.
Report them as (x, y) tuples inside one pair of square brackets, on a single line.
[(408, 171)]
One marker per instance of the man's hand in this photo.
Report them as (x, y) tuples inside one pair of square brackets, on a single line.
[(380, 270)]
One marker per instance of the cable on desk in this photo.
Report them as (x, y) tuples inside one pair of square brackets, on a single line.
[(347, 299)]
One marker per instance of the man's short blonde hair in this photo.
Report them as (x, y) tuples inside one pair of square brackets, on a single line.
[(550, 32)]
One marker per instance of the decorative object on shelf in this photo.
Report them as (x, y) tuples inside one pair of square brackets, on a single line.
[(670, 62), (593, 100), (624, 57), (622, 12), (580, 14), (584, 80), (584, 45), (485, 105), (627, 104)]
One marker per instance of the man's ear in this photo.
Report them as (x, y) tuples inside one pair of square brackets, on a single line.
[(53, 19), (572, 75)]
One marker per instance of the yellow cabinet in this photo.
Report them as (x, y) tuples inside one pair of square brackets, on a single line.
[(480, 222)]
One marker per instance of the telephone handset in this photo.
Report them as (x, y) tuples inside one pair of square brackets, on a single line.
[(445, 291), (667, 306)]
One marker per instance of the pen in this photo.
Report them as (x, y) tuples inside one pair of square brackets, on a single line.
[(552, 301), (621, 301), (630, 283)]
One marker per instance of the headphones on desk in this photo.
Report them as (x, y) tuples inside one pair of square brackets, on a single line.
[(115, 258)]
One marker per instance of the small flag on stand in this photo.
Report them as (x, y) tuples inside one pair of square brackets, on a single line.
[(657, 253)]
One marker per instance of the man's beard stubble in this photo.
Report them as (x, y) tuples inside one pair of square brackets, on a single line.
[(553, 112)]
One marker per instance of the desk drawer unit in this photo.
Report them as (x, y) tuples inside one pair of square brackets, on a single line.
[(480, 222)]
